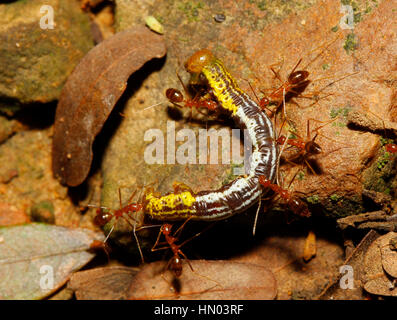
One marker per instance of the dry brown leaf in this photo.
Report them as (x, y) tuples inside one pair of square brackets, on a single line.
[(389, 256), (283, 255), (355, 260), (376, 281), (211, 280), (108, 283), (90, 94)]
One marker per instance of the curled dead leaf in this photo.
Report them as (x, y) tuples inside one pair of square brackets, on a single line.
[(376, 280), (90, 94), (389, 256), (355, 262)]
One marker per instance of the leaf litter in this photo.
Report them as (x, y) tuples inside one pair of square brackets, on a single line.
[(380, 267), (107, 283), (209, 280), (90, 94), (37, 259)]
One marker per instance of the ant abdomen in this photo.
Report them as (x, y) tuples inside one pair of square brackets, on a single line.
[(298, 207), (312, 147), (174, 95), (102, 218), (298, 77)]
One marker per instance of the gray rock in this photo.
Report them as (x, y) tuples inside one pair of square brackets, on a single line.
[(35, 62)]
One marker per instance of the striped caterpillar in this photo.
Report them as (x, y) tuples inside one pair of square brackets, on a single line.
[(243, 192)]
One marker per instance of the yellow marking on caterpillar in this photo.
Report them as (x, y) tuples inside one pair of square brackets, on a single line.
[(220, 87), (156, 206)]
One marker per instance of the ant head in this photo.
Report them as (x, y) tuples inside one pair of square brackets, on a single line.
[(264, 102), (312, 147), (198, 61), (264, 181), (211, 105), (281, 139), (297, 77), (174, 95), (135, 207), (166, 228)]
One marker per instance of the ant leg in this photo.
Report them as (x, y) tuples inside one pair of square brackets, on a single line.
[(154, 248), (310, 167), (296, 66), (253, 91), (320, 134), (293, 158), (325, 123), (161, 248), (176, 104), (165, 279), (318, 92), (133, 226), (183, 85), (302, 153), (179, 230), (293, 178), (326, 46), (187, 260), (111, 230), (256, 216), (138, 245), (257, 99), (191, 268), (277, 75), (129, 215), (314, 103), (196, 235)]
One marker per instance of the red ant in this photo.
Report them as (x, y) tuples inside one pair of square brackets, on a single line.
[(176, 97), (296, 82), (391, 147), (296, 205), (306, 147), (103, 217), (175, 263)]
